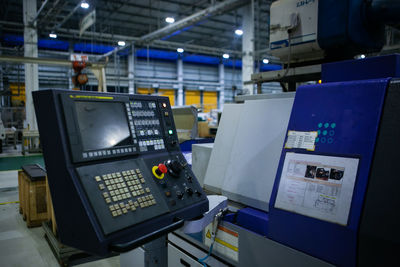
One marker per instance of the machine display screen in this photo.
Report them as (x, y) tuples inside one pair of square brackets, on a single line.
[(103, 125)]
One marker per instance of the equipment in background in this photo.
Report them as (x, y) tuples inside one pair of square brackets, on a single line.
[(2, 134), (117, 176), (312, 30), (185, 118), (32, 195), (79, 79)]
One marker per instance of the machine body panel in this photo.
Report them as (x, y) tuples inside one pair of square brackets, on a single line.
[(346, 116)]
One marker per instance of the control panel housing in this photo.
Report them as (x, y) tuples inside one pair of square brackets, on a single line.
[(115, 169)]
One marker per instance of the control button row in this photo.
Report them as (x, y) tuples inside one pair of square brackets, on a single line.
[(143, 113), (102, 153), (148, 132), (146, 122), (135, 104), (124, 207), (151, 142)]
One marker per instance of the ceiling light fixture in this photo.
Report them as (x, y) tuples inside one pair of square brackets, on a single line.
[(265, 61), (85, 5), (170, 20), (121, 43), (226, 56), (53, 35), (180, 50), (239, 32)]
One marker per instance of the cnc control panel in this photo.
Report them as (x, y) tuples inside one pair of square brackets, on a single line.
[(115, 169)]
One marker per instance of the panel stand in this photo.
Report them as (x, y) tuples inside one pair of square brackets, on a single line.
[(152, 254)]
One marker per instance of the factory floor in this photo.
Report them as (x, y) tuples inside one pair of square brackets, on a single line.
[(19, 245)]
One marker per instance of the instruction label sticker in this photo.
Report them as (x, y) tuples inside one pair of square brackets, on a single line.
[(226, 241), (304, 140), (317, 186)]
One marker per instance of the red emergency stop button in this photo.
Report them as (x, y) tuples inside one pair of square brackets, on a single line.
[(159, 171)]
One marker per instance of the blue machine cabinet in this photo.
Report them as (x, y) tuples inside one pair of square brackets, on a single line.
[(347, 117)]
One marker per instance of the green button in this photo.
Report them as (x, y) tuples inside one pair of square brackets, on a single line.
[(326, 125), (333, 125), (170, 132), (319, 132), (320, 125), (324, 132), (317, 140)]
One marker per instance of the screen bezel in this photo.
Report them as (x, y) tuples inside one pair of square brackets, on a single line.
[(73, 131)]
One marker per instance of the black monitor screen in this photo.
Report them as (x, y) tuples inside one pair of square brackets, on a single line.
[(102, 125)]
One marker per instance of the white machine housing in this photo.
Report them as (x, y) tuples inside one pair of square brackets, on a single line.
[(247, 149), (300, 18)]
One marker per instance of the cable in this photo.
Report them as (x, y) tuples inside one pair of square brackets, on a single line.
[(215, 223), (290, 53)]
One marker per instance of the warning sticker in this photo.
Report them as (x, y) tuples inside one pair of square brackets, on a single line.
[(304, 140), (226, 241)]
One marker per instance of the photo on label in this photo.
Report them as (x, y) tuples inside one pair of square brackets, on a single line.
[(336, 174), (310, 171), (323, 173)]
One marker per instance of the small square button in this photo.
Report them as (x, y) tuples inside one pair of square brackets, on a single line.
[(136, 204), (124, 210), (114, 214), (142, 180), (102, 186), (115, 198), (97, 178), (108, 200), (111, 207)]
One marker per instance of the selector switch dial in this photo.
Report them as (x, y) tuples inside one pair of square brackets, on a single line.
[(174, 167)]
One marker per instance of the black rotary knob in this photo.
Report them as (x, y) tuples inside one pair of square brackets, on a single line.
[(174, 167), (179, 194), (189, 191)]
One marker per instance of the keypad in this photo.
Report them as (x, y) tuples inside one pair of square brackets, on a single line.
[(125, 191)]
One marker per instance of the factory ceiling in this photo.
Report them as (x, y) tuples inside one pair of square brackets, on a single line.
[(208, 25)]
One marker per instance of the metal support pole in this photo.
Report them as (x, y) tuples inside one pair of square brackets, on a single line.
[(180, 81), (221, 72), (131, 70), (31, 70), (70, 71), (248, 47)]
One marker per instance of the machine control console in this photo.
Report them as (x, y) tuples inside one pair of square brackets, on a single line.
[(115, 160)]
